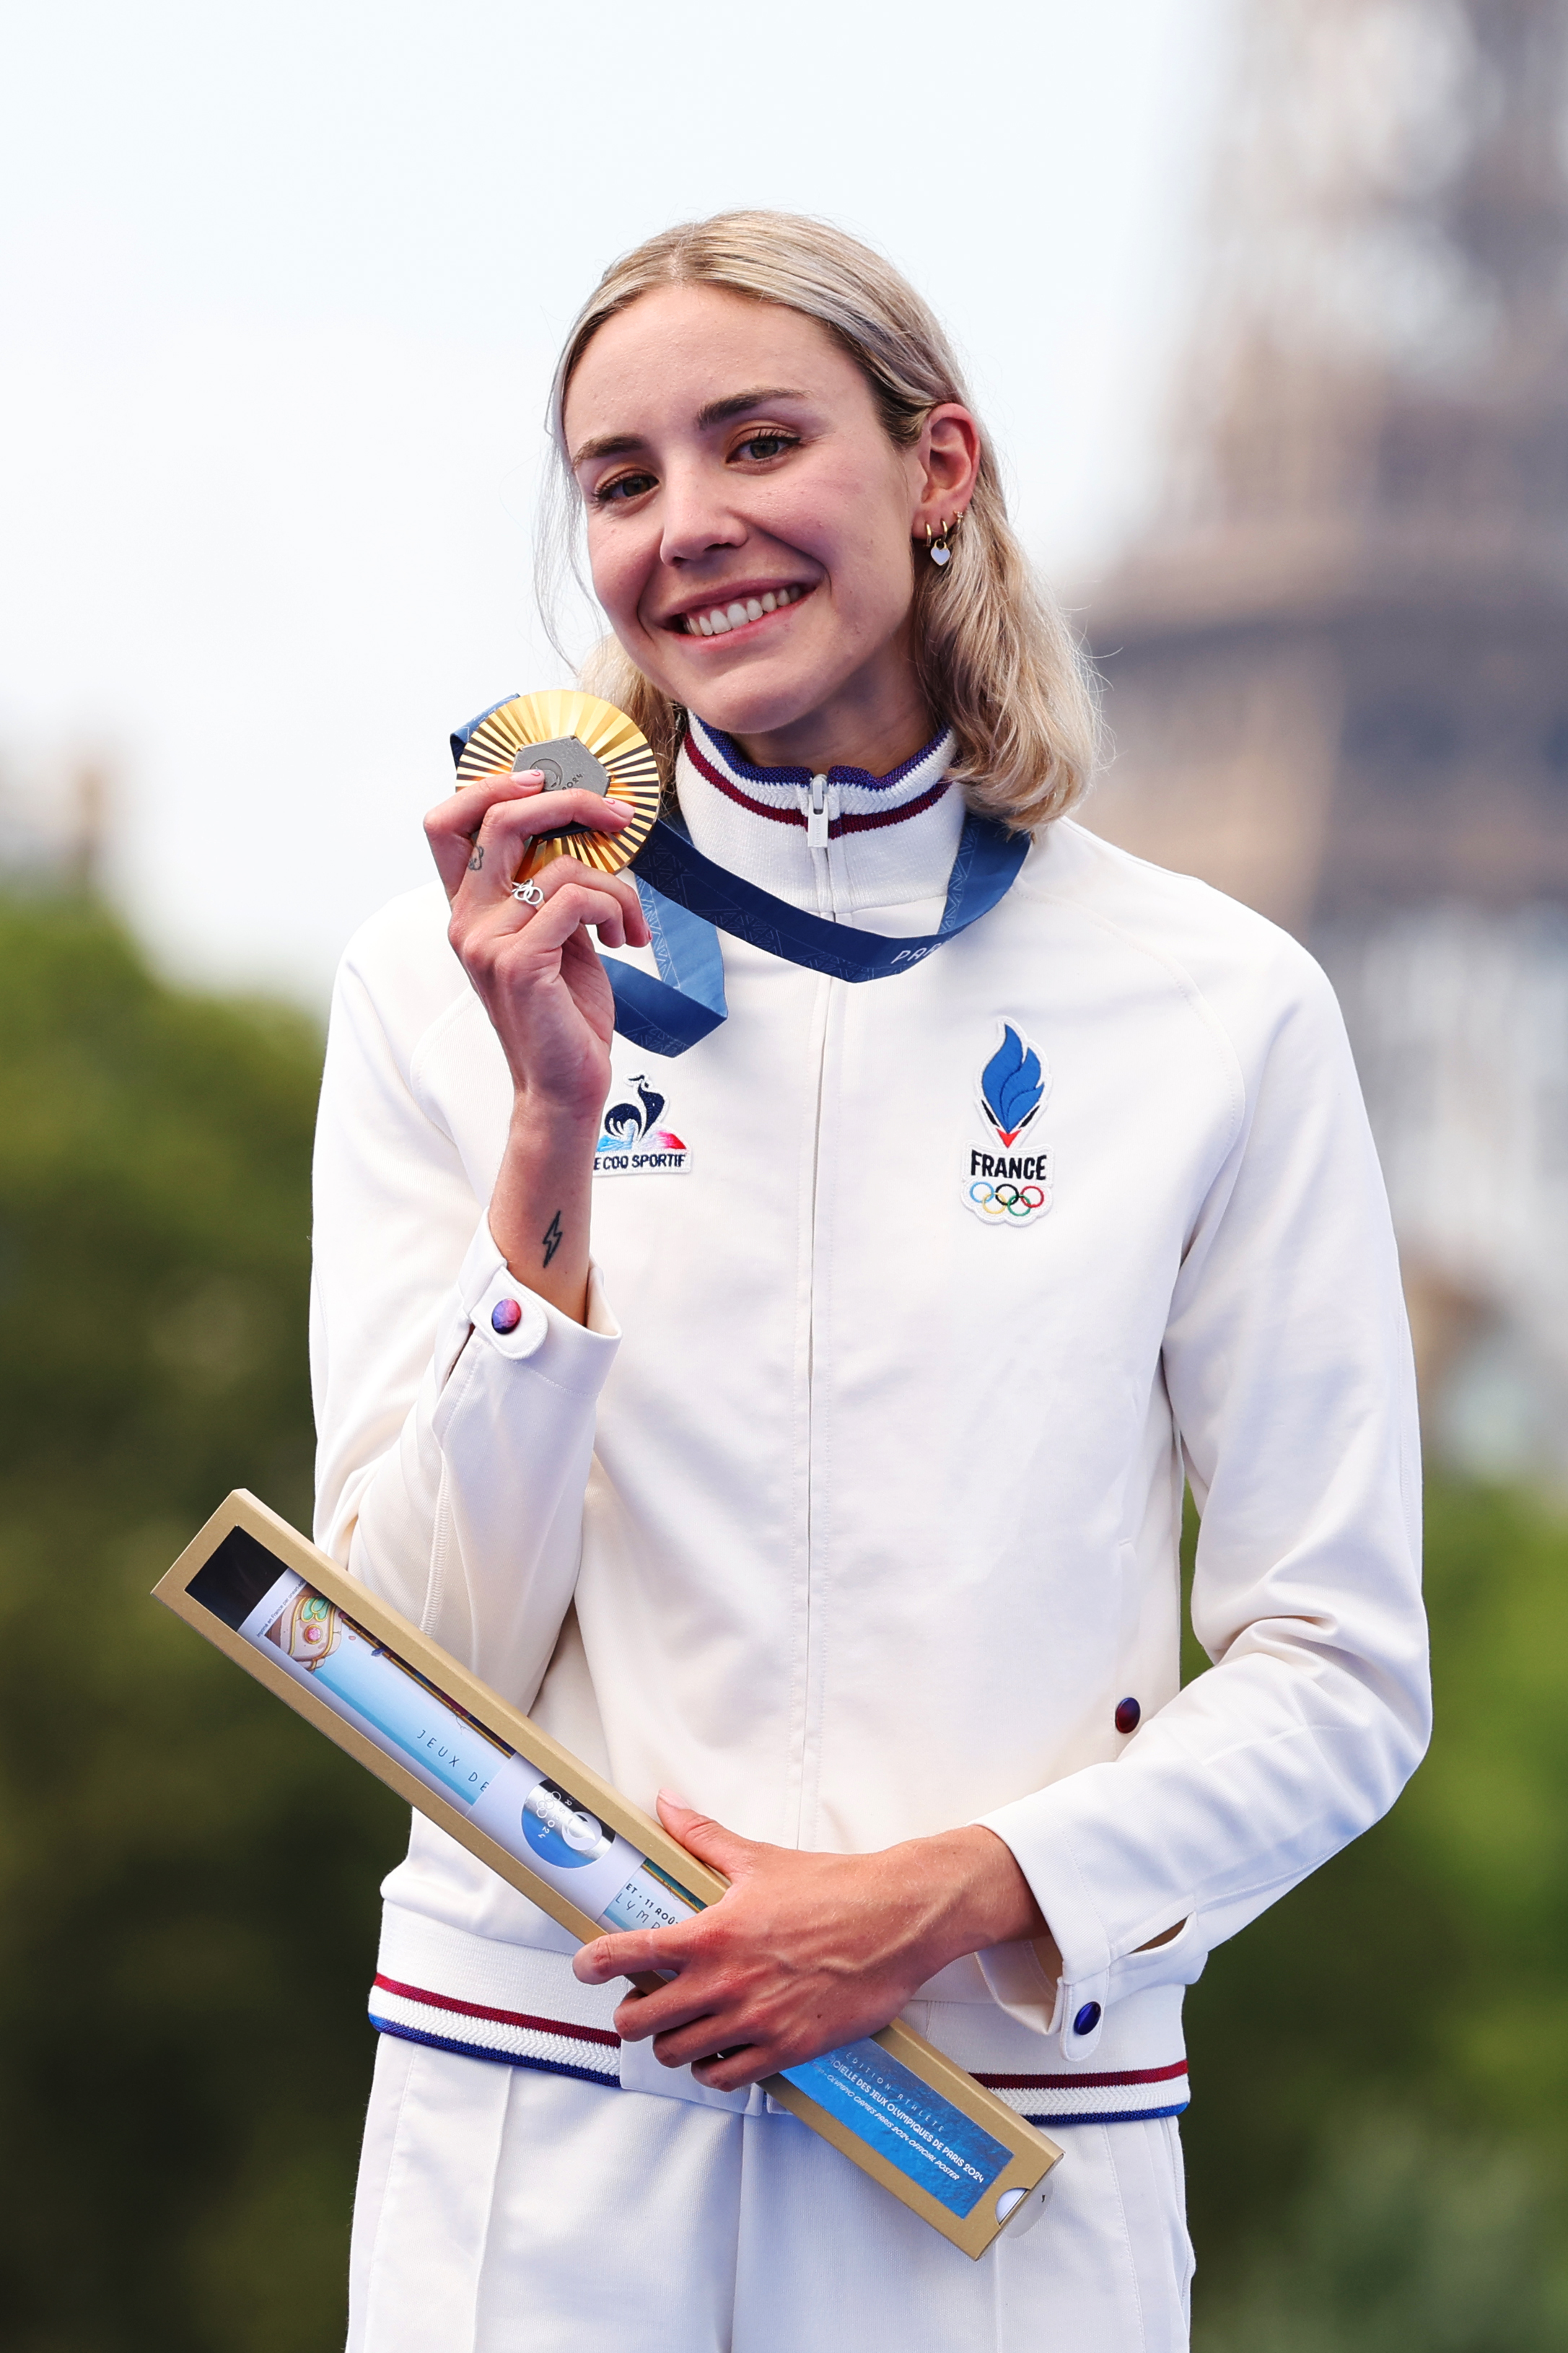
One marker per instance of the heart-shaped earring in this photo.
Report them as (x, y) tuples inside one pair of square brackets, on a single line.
[(937, 547)]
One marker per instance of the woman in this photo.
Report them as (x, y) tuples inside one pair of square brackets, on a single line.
[(825, 1472)]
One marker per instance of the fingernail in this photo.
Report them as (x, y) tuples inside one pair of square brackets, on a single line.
[(670, 1798)]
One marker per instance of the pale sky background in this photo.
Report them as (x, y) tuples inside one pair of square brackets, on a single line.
[(280, 288)]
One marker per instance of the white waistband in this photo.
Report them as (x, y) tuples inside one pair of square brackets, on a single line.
[(523, 2008)]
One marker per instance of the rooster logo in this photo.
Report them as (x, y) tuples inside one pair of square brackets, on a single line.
[(628, 1123), (1011, 1087), (633, 1139)]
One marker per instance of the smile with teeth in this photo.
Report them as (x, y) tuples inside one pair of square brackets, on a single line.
[(714, 624)]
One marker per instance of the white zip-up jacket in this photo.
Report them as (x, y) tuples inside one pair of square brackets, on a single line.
[(853, 1513)]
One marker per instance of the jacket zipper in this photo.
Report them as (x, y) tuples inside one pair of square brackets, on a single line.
[(810, 1730), (814, 803)]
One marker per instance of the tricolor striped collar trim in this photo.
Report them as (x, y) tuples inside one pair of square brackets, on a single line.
[(724, 748), (863, 803), (556, 2046)]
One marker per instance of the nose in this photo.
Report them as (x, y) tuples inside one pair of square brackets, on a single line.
[(697, 517)]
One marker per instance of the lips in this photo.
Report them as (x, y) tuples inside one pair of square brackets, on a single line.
[(717, 621)]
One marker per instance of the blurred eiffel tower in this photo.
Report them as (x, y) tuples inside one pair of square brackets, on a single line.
[(1337, 661)]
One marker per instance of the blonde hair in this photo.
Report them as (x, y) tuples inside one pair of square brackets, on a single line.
[(996, 659)]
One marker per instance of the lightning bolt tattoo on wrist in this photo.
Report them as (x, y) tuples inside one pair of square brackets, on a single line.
[(552, 1237)]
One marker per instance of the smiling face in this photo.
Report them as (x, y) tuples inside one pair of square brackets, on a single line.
[(751, 526)]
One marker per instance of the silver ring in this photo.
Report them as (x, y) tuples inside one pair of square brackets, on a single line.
[(529, 892)]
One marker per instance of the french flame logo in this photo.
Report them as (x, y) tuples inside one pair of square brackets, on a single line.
[(1011, 1087)]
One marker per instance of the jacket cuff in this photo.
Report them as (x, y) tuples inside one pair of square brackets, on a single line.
[(1031, 1829), (504, 1315), (1093, 1975)]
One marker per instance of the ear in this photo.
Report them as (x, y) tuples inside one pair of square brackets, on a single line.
[(947, 465)]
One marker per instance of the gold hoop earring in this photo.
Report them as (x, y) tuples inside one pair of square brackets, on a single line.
[(937, 547)]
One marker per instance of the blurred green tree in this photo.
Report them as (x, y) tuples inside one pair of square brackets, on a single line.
[(187, 1876), (1407, 2236), (1397, 2026)]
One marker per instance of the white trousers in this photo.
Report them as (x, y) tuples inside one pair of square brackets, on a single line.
[(503, 2210)]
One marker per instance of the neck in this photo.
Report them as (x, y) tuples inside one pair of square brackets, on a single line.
[(875, 722), (835, 841)]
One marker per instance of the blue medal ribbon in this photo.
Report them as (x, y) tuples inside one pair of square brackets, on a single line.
[(688, 900)]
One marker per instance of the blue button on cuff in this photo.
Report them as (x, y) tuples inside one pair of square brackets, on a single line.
[(1087, 2018)]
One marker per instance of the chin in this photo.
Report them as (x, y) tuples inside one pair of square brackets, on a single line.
[(756, 704)]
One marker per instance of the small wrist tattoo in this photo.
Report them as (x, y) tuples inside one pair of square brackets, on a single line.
[(552, 1237)]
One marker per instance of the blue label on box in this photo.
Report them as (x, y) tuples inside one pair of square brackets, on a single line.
[(930, 2141), (377, 1686)]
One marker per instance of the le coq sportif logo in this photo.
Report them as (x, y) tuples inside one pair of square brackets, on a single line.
[(634, 1142)]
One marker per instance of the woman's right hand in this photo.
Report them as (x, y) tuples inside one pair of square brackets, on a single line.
[(534, 968), (549, 999)]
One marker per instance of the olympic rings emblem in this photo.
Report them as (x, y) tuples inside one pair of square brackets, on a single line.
[(1008, 1201)]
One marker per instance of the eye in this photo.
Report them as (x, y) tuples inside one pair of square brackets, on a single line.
[(771, 443), (622, 489)]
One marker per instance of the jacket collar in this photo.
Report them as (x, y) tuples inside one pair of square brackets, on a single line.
[(879, 841)]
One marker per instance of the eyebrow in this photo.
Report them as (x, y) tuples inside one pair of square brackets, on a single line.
[(711, 413), (718, 412)]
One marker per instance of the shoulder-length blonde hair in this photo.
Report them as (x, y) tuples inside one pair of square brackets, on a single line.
[(996, 660)]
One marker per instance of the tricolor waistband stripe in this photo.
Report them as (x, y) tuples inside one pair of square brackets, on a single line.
[(1103, 2099), (402, 2034), (1086, 2081), (1050, 2120), (556, 2046), (502, 2017)]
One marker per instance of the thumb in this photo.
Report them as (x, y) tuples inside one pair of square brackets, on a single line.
[(723, 1851)]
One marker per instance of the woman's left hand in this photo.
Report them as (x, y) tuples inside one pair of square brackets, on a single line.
[(806, 1952)]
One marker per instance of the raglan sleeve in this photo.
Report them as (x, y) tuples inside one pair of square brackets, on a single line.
[(453, 1452), (1287, 1360)]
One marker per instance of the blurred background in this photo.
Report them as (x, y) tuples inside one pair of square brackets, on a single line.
[(1268, 302)]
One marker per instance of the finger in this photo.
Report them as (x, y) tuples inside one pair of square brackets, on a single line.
[(718, 2039), (488, 889), (452, 826), (632, 1952), (732, 2071), (505, 849), (517, 819), (667, 2009), (571, 900), (565, 873), (709, 1841), (483, 818)]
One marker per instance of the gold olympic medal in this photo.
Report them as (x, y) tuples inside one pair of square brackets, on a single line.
[(573, 739)]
